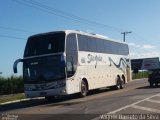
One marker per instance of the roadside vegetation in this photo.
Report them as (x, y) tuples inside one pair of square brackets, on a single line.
[(11, 88), (11, 85), (12, 97), (139, 75)]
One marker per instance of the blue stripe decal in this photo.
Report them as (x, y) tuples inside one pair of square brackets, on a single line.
[(123, 62)]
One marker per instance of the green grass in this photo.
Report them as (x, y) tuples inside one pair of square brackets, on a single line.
[(7, 98), (139, 75)]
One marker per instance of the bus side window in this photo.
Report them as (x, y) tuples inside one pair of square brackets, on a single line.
[(71, 54)]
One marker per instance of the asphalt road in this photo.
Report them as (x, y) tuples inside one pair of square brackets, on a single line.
[(136, 98)]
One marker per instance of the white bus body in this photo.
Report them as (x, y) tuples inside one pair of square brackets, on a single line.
[(86, 62)]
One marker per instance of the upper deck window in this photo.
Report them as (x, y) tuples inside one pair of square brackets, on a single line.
[(93, 44), (45, 44)]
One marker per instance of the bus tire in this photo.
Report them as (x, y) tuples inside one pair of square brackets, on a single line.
[(118, 84), (84, 89), (122, 83)]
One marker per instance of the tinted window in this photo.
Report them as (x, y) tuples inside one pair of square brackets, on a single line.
[(107, 47), (71, 43), (92, 44), (125, 49), (71, 54), (45, 44), (83, 43), (87, 43), (43, 69), (118, 48), (100, 45), (115, 48), (122, 49)]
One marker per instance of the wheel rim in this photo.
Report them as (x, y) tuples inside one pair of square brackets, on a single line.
[(83, 88), (122, 84), (118, 84)]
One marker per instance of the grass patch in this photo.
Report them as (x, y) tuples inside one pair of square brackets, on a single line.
[(139, 75), (7, 98)]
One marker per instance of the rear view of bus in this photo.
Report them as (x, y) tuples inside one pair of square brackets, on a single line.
[(44, 65)]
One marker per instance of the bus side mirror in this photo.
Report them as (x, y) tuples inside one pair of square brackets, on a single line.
[(15, 65)]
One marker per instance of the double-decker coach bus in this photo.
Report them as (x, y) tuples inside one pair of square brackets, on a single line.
[(68, 62)]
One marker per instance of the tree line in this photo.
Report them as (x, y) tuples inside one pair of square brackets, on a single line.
[(11, 85)]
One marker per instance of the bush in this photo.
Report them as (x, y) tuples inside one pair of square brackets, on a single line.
[(11, 85), (139, 75)]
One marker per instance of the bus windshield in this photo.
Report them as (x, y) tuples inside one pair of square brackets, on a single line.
[(44, 69), (45, 44), (49, 66)]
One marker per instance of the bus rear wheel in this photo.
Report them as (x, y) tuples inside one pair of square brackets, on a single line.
[(84, 89), (120, 83)]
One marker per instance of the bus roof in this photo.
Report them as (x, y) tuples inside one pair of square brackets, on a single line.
[(93, 35), (82, 33)]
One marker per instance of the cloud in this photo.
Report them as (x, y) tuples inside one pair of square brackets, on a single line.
[(143, 51), (148, 46), (131, 44), (141, 46), (150, 54), (134, 45)]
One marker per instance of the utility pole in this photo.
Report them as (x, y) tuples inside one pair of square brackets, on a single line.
[(124, 35)]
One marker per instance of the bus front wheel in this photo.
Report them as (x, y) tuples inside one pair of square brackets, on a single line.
[(84, 89)]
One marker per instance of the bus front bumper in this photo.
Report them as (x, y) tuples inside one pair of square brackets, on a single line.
[(43, 93)]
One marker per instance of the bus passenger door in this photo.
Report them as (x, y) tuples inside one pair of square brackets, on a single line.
[(71, 61), (71, 53)]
